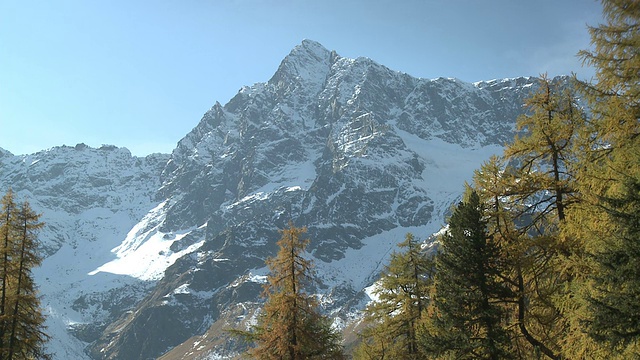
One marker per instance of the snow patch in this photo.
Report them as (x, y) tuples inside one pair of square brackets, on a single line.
[(146, 252)]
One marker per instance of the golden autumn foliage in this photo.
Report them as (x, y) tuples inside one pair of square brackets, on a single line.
[(290, 326), (21, 320)]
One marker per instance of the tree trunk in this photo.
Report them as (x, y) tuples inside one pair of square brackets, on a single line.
[(523, 328), (16, 306)]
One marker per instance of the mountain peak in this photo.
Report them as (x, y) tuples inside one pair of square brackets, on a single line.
[(352, 150), (4, 152), (308, 63), (312, 46)]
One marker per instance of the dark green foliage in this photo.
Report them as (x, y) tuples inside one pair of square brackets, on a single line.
[(466, 314), (616, 303)]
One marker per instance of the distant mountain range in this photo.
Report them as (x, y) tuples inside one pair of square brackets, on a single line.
[(158, 255)]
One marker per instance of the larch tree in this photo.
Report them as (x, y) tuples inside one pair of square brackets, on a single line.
[(543, 152), (466, 311), (290, 326), (494, 183), (7, 230), (610, 180), (528, 192), (393, 319), (22, 321), (541, 187)]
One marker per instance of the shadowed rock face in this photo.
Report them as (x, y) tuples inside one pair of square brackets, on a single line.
[(356, 152)]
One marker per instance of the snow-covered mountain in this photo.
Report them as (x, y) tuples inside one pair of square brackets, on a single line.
[(159, 254), (89, 199)]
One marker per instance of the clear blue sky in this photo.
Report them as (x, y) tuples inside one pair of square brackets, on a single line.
[(141, 74)]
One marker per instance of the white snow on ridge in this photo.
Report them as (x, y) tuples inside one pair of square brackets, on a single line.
[(295, 176), (372, 291), (136, 235), (146, 252), (150, 260), (359, 266), (62, 277), (448, 165)]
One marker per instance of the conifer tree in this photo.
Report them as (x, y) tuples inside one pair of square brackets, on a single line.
[(393, 319), (495, 183), (541, 188), (543, 153), (566, 212), (290, 326), (7, 231), (22, 322), (466, 313), (610, 180), (527, 204)]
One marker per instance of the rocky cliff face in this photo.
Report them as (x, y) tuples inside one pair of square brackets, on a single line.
[(89, 199), (356, 152)]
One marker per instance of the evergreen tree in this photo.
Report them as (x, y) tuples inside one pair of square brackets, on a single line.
[(565, 211), (615, 304), (494, 182), (290, 326), (610, 178), (393, 319), (466, 311), (22, 322)]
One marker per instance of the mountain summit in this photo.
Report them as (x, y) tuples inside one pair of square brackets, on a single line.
[(356, 152), (307, 66)]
